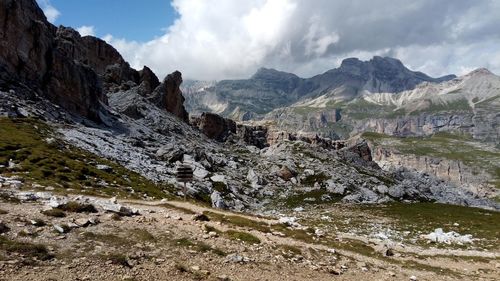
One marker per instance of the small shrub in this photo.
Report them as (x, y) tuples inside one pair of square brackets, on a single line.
[(27, 249), (181, 267), (76, 207), (220, 187), (243, 236), (56, 213), (118, 259), (116, 217)]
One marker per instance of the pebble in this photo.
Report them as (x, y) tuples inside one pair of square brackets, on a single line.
[(413, 278), (223, 278)]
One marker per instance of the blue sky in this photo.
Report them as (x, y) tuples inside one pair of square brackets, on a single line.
[(131, 19)]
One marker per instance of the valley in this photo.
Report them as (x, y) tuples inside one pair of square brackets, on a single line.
[(368, 170)]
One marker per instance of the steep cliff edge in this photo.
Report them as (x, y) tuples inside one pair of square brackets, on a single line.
[(455, 158), (75, 72)]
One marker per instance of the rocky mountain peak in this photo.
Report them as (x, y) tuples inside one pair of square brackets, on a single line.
[(376, 64), (480, 72), (272, 74)]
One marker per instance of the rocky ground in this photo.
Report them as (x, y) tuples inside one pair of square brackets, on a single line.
[(61, 238)]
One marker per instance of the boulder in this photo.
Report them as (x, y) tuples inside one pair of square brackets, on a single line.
[(3, 228), (217, 200), (214, 126), (287, 173)]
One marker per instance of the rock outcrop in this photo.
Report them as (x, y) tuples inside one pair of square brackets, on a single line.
[(168, 96), (454, 171), (34, 60), (215, 126), (75, 72)]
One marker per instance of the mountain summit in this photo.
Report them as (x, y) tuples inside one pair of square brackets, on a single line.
[(269, 89)]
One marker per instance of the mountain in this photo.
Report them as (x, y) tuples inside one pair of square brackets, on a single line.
[(90, 150), (269, 89), (467, 104)]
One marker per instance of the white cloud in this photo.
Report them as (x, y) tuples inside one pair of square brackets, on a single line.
[(86, 30), (308, 37), (50, 11)]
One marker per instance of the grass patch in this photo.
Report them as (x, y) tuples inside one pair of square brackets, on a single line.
[(143, 235), (181, 209), (319, 178), (44, 159), (425, 217), (75, 207), (198, 246), (243, 236), (56, 213), (290, 251), (239, 221), (37, 251), (107, 239), (320, 196), (117, 259)]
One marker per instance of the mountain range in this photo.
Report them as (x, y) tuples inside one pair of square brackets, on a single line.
[(379, 95)]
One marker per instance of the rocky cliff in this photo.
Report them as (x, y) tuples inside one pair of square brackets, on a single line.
[(75, 72), (33, 59)]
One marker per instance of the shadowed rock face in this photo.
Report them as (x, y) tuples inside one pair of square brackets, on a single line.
[(32, 57), (72, 71), (214, 126), (168, 96), (26, 41)]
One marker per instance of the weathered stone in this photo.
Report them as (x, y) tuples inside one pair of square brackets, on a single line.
[(215, 126), (3, 228), (168, 96), (217, 200), (200, 217)]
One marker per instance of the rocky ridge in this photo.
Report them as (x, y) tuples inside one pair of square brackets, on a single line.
[(77, 73)]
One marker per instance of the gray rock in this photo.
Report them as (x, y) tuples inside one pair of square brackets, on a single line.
[(217, 200)]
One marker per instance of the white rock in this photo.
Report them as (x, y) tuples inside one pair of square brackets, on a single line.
[(55, 202), (289, 221), (218, 178), (413, 278), (439, 236), (309, 172), (382, 236), (105, 168)]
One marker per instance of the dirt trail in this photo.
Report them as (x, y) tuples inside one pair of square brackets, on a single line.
[(165, 243)]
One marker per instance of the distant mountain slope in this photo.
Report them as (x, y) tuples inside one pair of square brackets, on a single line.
[(269, 89), (467, 104)]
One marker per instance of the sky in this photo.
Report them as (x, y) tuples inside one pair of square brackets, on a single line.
[(229, 39)]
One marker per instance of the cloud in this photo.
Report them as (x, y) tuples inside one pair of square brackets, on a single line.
[(50, 11), (308, 37), (86, 30)]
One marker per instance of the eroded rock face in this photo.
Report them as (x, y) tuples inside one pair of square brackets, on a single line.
[(168, 96), (473, 180), (27, 42), (32, 57), (149, 81), (214, 126)]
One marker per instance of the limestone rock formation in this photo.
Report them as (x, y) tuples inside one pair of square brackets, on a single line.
[(168, 96), (214, 126), (34, 60)]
